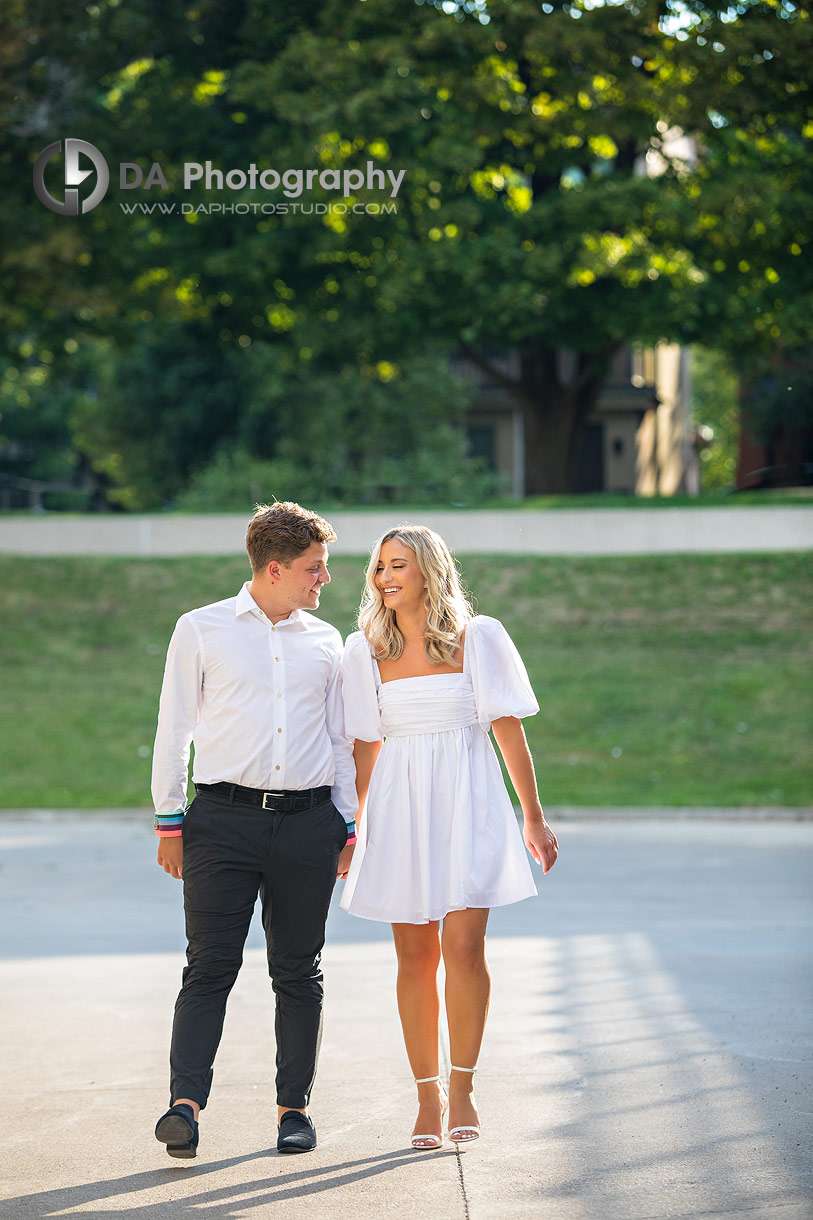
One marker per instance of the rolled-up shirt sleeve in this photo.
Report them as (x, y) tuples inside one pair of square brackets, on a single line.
[(178, 712)]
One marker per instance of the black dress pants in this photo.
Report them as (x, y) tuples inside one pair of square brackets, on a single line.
[(232, 853)]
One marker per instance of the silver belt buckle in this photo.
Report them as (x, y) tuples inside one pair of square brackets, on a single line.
[(266, 796)]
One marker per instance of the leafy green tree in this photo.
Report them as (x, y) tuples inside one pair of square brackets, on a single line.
[(369, 435), (158, 410), (531, 223), (36, 442), (716, 416), (777, 409), (547, 208)]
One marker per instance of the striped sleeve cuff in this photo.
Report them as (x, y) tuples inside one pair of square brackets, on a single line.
[(351, 832), (169, 825)]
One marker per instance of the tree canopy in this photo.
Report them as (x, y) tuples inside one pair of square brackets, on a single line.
[(576, 176)]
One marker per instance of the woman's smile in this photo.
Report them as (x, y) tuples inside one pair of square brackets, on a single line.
[(399, 575)]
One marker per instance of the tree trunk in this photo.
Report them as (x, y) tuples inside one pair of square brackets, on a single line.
[(552, 436), (555, 409)]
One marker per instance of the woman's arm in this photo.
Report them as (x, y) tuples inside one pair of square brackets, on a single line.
[(364, 755), (539, 838)]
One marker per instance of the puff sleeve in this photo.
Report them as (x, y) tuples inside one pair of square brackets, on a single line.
[(500, 680), (362, 718)]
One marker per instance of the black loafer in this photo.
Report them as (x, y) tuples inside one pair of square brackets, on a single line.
[(179, 1131), (296, 1133)]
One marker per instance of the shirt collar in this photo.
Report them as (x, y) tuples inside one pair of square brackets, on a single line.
[(245, 604)]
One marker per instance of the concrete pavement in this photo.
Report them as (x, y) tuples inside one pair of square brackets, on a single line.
[(647, 1056)]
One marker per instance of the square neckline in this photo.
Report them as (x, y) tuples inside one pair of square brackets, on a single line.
[(412, 678)]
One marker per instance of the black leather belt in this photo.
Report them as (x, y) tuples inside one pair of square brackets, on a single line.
[(290, 800)]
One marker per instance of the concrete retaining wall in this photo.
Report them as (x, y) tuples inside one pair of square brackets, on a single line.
[(609, 531)]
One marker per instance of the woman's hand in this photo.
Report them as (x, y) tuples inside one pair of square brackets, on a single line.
[(539, 838), (541, 842)]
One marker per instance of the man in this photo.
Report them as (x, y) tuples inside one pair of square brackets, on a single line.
[(254, 681)]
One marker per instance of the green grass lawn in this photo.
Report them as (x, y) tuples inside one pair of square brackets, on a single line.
[(666, 680)]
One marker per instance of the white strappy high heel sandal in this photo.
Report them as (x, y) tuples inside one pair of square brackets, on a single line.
[(431, 1141), (463, 1134)]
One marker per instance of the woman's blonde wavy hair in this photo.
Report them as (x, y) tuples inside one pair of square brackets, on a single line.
[(447, 606)]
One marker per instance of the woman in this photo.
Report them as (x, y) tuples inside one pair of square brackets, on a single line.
[(438, 841)]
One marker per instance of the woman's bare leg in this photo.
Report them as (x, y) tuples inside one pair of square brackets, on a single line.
[(417, 947), (468, 989)]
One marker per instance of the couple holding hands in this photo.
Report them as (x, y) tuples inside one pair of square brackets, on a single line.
[(293, 735)]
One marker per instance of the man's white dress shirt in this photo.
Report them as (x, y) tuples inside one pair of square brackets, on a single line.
[(261, 702)]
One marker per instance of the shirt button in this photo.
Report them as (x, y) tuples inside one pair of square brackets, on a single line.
[(276, 658), (279, 730), (276, 768)]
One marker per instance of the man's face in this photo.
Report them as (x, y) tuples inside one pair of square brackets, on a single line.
[(300, 582)]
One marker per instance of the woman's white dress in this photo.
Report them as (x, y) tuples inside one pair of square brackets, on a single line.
[(439, 832)]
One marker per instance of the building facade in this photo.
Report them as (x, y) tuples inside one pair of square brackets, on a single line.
[(639, 440)]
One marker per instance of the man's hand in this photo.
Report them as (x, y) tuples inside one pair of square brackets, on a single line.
[(170, 855), (344, 860)]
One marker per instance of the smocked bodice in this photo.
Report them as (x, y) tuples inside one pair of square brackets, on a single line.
[(436, 703)]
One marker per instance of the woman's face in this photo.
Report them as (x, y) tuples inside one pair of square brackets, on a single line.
[(398, 578)]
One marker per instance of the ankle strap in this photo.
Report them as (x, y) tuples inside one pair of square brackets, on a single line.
[(426, 1079), (457, 1069)]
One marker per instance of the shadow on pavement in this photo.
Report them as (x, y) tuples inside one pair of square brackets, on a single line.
[(259, 1192)]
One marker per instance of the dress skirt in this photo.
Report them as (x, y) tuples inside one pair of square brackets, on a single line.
[(439, 832)]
